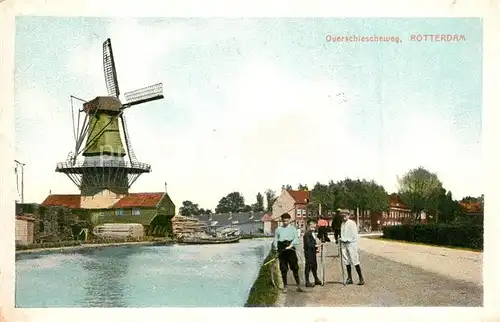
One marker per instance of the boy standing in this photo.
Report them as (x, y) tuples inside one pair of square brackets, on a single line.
[(348, 245), (285, 241), (310, 251)]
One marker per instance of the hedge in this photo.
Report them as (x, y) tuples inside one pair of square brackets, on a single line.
[(263, 292), (457, 235)]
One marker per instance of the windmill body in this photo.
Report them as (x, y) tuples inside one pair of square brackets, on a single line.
[(108, 163)]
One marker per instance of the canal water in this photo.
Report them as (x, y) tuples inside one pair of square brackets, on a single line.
[(141, 276)]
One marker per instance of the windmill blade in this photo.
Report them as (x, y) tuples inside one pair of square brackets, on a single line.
[(110, 69), (146, 94), (130, 151)]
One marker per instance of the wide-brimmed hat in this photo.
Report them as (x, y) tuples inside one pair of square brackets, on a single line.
[(344, 211)]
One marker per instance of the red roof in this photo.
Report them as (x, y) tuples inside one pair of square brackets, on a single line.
[(300, 196), (25, 218), (396, 202), (136, 200), (68, 201), (472, 207)]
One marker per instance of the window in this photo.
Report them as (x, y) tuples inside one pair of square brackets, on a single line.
[(298, 212), (136, 212), (41, 227), (119, 212), (102, 214)]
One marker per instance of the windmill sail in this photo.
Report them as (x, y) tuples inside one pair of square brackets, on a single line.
[(130, 151), (110, 69), (146, 94)]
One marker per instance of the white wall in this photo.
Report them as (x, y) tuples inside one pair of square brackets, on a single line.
[(284, 203)]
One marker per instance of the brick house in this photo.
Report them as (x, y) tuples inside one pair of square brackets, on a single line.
[(398, 214), (293, 202), (149, 209), (473, 210)]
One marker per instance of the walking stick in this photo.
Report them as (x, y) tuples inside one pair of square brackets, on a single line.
[(341, 262), (323, 270)]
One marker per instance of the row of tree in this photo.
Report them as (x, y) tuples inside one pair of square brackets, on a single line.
[(233, 202), (420, 189)]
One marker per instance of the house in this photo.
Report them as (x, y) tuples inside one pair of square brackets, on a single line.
[(293, 202), (24, 231), (267, 220), (398, 214), (150, 209), (473, 210), (247, 222)]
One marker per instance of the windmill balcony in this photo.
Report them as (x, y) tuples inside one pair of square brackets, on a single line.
[(76, 167)]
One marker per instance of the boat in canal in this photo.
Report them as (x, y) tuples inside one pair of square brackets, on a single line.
[(209, 241)]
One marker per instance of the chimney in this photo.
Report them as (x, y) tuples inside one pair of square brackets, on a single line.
[(165, 186)]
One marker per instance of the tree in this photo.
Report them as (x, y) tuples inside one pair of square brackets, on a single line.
[(233, 202), (259, 205), (324, 195), (376, 198), (189, 208), (303, 187), (418, 189), (270, 199), (205, 211)]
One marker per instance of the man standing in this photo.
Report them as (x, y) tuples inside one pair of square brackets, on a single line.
[(336, 223), (323, 230), (285, 241), (348, 246)]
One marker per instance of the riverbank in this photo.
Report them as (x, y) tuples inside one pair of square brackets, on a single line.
[(89, 246), (263, 293)]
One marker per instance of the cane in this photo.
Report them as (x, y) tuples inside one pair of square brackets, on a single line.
[(323, 270), (341, 263)]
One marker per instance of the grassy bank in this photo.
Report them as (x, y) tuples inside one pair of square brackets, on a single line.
[(263, 292)]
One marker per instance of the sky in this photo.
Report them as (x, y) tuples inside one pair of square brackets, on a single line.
[(253, 104)]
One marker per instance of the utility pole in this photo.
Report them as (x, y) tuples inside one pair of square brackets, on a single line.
[(22, 178)]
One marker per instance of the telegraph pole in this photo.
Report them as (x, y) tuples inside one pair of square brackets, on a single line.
[(22, 178)]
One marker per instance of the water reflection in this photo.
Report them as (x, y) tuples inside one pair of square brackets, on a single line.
[(141, 276), (104, 285)]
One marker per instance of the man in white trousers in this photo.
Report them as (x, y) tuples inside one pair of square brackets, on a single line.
[(348, 245)]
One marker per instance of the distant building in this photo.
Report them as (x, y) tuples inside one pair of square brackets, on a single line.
[(267, 220), (247, 222), (24, 233), (293, 202), (473, 210), (149, 209), (399, 213)]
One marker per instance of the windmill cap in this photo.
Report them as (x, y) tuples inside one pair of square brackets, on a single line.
[(103, 103)]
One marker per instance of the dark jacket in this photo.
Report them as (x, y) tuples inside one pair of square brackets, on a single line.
[(309, 243)]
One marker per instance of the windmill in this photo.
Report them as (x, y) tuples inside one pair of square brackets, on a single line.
[(104, 164)]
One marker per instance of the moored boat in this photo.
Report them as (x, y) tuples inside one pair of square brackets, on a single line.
[(207, 241)]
